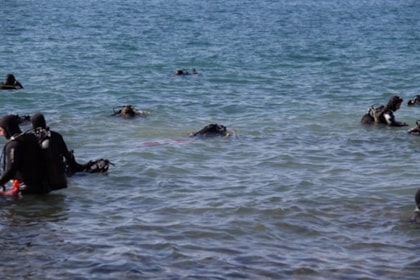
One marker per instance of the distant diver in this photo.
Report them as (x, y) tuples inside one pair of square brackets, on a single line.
[(384, 114), (11, 83), (414, 101), (213, 130), (416, 129), (127, 111), (183, 72)]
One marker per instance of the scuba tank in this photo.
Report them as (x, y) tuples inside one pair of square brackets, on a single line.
[(56, 176)]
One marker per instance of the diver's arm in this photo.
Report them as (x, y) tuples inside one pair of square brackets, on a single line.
[(18, 84), (10, 168), (390, 119), (68, 155)]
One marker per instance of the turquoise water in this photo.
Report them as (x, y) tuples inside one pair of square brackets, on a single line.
[(302, 192)]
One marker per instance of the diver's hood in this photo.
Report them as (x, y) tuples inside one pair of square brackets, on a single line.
[(38, 120), (11, 125), (393, 102)]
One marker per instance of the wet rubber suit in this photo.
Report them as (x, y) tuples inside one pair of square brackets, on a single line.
[(387, 115), (56, 154), (384, 114), (11, 83), (22, 158), (211, 130)]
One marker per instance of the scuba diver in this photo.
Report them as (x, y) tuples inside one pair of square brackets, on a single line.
[(22, 159), (11, 83), (182, 72), (384, 114), (414, 101), (415, 130), (128, 111), (60, 161), (213, 130), (209, 131), (55, 152)]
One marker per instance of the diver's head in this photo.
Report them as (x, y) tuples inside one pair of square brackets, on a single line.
[(38, 120), (9, 126), (10, 79), (394, 103), (128, 111)]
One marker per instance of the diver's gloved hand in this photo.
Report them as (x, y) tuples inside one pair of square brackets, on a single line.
[(97, 166), (416, 129)]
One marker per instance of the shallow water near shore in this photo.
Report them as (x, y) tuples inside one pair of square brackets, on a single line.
[(302, 191)]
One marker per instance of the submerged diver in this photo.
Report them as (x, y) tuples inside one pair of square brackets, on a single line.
[(414, 101), (213, 130), (182, 72), (11, 83), (23, 160), (384, 114), (127, 111), (415, 130)]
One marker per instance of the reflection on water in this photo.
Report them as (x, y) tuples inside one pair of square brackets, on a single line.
[(29, 209)]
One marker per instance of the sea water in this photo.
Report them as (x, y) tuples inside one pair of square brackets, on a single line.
[(302, 191)]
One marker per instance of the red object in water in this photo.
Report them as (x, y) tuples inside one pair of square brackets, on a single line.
[(14, 190)]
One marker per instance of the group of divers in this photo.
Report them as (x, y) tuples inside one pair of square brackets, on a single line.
[(37, 161)]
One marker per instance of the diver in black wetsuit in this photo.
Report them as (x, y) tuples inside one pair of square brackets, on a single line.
[(385, 114), (212, 130), (128, 111), (59, 159), (182, 72), (56, 154), (11, 83), (22, 158), (414, 101)]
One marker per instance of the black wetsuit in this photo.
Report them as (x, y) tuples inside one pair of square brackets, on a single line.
[(387, 117), (22, 159), (11, 83), (211, 130), (384, 115), (55, 152), (54, 149), (61, 162), (58, 157)]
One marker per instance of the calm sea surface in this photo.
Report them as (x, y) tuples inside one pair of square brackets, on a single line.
[(302, 192)]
